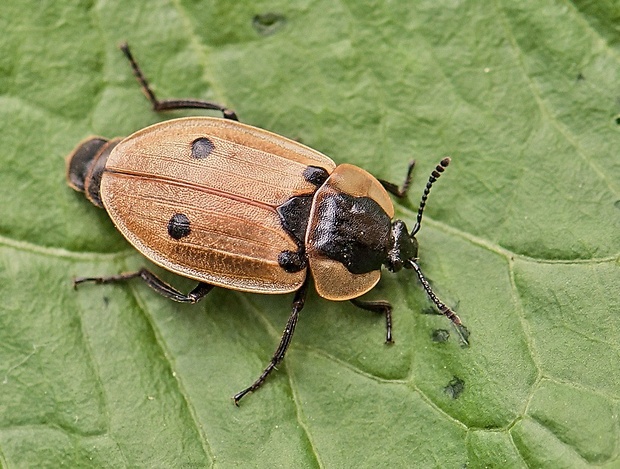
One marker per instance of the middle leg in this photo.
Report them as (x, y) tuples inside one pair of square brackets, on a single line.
[(382, 307), (285, 341)]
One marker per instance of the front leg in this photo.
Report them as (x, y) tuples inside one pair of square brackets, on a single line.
[(381, 307), (400, 192)]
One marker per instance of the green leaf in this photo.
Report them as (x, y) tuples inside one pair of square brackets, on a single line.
[(521, 236)]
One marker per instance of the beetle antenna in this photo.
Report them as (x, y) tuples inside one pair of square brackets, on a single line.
[(440, 168), (445, 310)]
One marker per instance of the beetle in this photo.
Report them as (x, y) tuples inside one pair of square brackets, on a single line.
[(238, 207)]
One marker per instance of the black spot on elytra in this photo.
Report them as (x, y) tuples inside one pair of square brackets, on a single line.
[(178, 226), (292, 261), (202, 147), (315, 175)]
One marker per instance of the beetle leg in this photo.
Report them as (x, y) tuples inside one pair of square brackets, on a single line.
[(382, 307), (171, 104), (400, 192), (155, 283), (298, 304)]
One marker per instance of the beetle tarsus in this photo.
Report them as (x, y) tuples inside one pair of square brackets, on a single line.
[(287, 335), (103, 280), (381, 307), (171, 104)]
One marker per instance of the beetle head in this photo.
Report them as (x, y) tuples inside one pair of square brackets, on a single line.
[(404, 247), (404, 253)]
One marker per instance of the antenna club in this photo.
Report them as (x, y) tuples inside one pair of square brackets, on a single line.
[(439, 169)]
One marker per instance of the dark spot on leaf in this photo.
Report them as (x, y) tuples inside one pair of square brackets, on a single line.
[(178, 226), (580, 77), (202, 147), (106, 301), (440, 335), (267, 24), (617, 204), (617, 120), (455, 387)]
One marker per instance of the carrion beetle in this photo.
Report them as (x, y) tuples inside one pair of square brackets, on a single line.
[(235, 206)]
